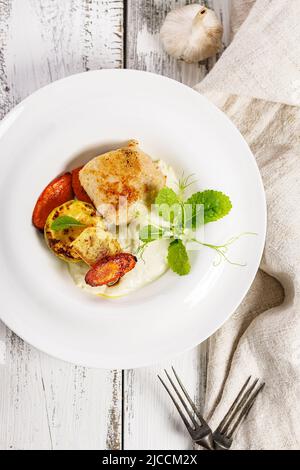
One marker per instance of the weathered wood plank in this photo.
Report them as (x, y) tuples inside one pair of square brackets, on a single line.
[(223, 11), (144, 51), (22, 408), (5, 95), (48, 40), (46, 403), (150, 420), (83, 405)]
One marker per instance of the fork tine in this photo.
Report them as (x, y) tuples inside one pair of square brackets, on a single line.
[(260, 389), (245, 411), (187, 424), (193, 406), (239, 405), (190, 415), (222, 423)]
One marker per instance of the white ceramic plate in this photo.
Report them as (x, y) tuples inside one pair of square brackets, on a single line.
[(63, 125)]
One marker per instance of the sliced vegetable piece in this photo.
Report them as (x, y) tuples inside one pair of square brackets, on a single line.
[(95, 243), (79, 192), (56, 193), (110, 269), (60, 241)]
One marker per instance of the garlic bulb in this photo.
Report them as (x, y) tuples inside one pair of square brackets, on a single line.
[(192, 33)]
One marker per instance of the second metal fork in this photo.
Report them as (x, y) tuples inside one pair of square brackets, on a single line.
[(198, 429), (238, 411)]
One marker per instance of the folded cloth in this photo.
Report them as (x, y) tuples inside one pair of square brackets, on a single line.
[(257, 84)]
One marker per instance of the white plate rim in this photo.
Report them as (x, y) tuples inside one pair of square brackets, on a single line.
[(39, 345)]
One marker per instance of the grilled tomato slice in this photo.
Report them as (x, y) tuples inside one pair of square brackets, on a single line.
[(79, 192), (56, 193), (110, 269), (60, 241)]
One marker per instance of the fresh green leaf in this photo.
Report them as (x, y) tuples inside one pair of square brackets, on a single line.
[(63, 222), (169, 205), (193, 215), (150, 233), (178, 258), (166, 196), (216, 205)]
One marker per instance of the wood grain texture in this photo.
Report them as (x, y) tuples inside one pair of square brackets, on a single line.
[(222, 9), (144, 51), (5, 95), (150, 419), (47, 40), (46, 403)]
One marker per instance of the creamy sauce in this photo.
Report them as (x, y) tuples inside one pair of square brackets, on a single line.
[(153, 263)]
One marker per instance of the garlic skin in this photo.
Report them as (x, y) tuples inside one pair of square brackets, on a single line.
[(192, 33)]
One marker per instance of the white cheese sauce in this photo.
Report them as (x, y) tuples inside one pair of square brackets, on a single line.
[(153, 263)]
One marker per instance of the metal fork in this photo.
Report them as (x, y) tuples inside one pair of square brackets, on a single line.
[(223, 435), (199, 430)]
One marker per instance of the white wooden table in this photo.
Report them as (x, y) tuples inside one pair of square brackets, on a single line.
[(46, 403)]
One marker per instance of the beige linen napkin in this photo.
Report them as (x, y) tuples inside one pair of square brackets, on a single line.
[(257, 84)]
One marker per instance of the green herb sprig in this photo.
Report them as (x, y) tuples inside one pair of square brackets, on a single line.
[(186, 216)]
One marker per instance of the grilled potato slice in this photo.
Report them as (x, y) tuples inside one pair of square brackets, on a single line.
[(60, 242), (95, 243)]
